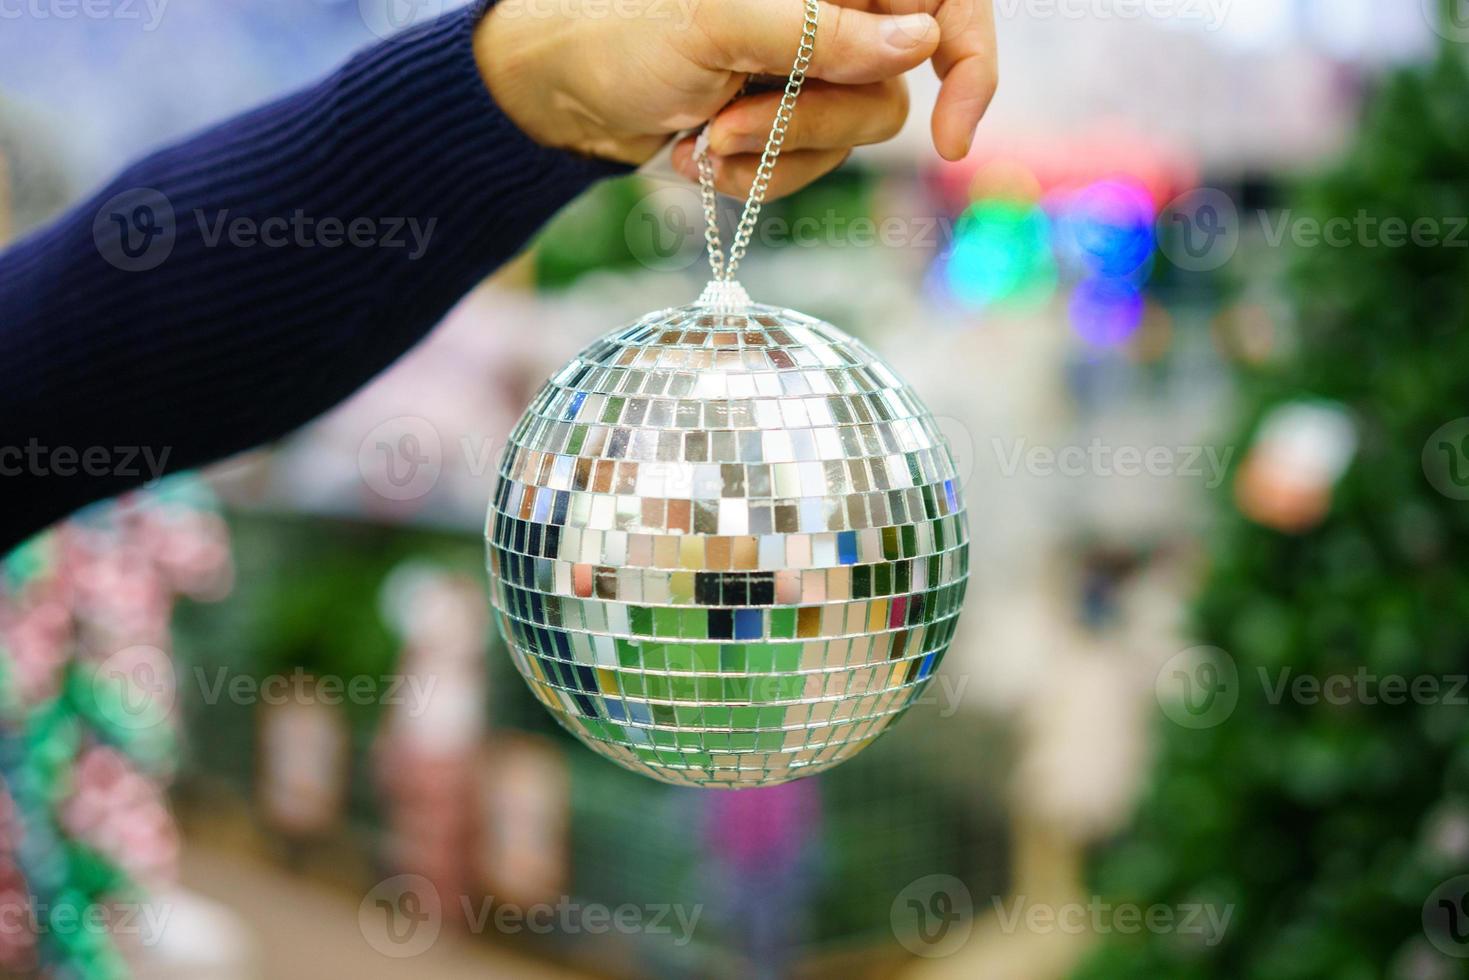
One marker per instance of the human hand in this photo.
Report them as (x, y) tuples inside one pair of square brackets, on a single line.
[(615, 81)]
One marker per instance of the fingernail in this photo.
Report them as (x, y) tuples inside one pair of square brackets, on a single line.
[(909, 31)]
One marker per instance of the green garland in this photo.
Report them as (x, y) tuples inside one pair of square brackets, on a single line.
[(40, 746)]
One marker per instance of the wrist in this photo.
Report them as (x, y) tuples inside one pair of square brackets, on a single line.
[(520, 58)]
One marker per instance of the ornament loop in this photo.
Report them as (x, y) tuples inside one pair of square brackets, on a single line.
[(723, 269)]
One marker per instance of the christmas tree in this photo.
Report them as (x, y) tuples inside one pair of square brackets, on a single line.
[(1331, 824)]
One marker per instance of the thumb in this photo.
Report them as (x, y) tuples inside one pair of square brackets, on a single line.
[(853, 47)]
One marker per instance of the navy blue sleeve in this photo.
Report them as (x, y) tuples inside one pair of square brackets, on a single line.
[(226, 290)]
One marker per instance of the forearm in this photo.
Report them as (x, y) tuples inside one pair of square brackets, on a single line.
[(313, 241)]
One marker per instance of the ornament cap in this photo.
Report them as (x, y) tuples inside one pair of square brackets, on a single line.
[(725, 296)]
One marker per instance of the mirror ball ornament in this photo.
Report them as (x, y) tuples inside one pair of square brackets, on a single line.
[(727, 549)]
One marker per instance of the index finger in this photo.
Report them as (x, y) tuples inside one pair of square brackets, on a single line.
[(967, 61), (854, 46)]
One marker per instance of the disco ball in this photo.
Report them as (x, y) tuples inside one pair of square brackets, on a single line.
[(727, 549)]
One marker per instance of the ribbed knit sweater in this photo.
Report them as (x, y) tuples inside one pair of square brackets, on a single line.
[(227, 289)]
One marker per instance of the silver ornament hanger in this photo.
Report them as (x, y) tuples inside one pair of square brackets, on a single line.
[(724, 293)]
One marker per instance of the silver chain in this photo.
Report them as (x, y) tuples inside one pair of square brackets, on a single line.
[(723, 269)]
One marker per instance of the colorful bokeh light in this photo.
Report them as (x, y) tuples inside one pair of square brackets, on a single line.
[(1106, 312), (1018, 239), (1001, 254), (1106, 229)]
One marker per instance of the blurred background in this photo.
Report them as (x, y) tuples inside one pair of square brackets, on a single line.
[(1192, 314)]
